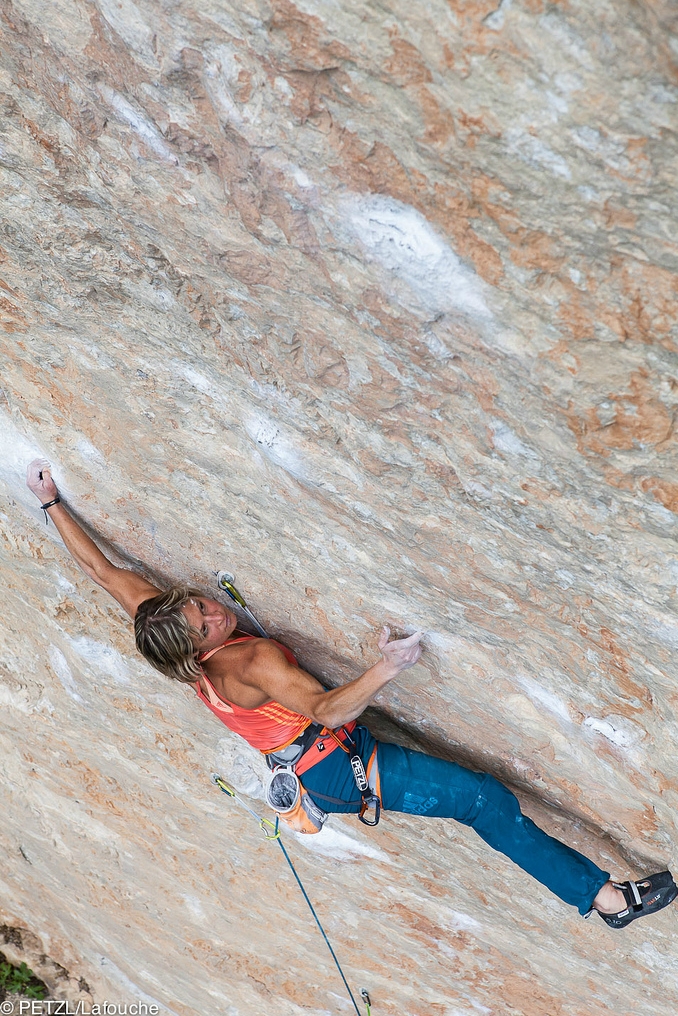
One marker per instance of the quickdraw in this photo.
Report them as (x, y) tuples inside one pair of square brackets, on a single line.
[(265, 825), (225, 582)]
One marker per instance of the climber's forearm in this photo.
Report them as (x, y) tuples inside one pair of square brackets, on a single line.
[(269, 671), (125, 586), (341, 705), (128, 588), (80, 546)]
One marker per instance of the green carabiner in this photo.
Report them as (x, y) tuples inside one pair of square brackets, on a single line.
[(222, 785), (275, 835), (229, 588)]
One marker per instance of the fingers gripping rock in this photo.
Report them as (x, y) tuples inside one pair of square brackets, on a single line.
[(402, 653), (39, 480)]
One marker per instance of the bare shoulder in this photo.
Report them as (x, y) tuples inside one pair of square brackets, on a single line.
[(249, 673), (246, 661), (264, 665), (263, 655)]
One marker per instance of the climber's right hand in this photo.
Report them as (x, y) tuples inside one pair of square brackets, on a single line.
[(401, 654)]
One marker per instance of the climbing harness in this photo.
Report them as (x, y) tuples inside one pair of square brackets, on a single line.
[(272, 832), (369, 795), (291, 753), (293, 759)]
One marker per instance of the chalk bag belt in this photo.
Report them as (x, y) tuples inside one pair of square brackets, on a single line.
[(368, 798)]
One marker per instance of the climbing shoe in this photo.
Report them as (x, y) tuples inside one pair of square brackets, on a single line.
[(646, 896)]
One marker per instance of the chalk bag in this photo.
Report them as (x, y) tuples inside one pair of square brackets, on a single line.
[(288, 798)]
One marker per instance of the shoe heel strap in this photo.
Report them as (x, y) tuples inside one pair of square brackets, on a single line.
[(631, 894)]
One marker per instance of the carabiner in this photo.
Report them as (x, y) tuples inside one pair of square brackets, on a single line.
[(370, 801)]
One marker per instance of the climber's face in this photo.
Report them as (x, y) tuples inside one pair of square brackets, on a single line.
[(214, 621)]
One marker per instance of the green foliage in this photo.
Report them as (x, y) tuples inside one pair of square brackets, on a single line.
[(20, 980)]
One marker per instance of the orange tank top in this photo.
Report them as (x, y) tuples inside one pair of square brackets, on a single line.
[(269, 727)]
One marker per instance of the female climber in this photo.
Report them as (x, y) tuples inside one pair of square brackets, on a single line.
[(255, 686)]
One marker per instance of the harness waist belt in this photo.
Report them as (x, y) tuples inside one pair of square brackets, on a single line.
[(291, 753), (323, 744)]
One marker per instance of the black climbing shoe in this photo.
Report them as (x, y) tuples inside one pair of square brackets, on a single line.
[(646, 896)]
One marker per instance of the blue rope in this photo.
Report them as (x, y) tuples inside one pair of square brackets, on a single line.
[(228, 586), (226, 789), (317, 921)]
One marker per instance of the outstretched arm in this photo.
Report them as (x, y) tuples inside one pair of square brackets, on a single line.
[(128, 588), (298, 690)]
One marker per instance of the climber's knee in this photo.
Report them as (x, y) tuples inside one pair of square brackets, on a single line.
[(495, 796)]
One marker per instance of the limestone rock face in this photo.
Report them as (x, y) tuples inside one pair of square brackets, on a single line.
[(375, 306)]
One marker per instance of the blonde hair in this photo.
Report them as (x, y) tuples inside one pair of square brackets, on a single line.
[(163, 634)]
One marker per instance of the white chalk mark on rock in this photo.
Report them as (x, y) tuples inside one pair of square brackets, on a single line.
[(87, 450), (63, 672), (543, 697), (458, 921), (623, 736), (403, 242), (508, 442), (126, 19), (149, 134), (536, 153), (133, 990), (221, 78), (16, 451), (334, 843), (102, 657)]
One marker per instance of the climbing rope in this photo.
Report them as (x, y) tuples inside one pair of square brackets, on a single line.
[(271, 831)]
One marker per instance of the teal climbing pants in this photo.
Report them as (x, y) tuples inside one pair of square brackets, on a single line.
[(419, 784)]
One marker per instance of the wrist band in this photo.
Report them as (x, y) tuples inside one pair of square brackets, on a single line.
[(48, 504)]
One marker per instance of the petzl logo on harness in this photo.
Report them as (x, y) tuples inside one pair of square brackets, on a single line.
[(359, 773)]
